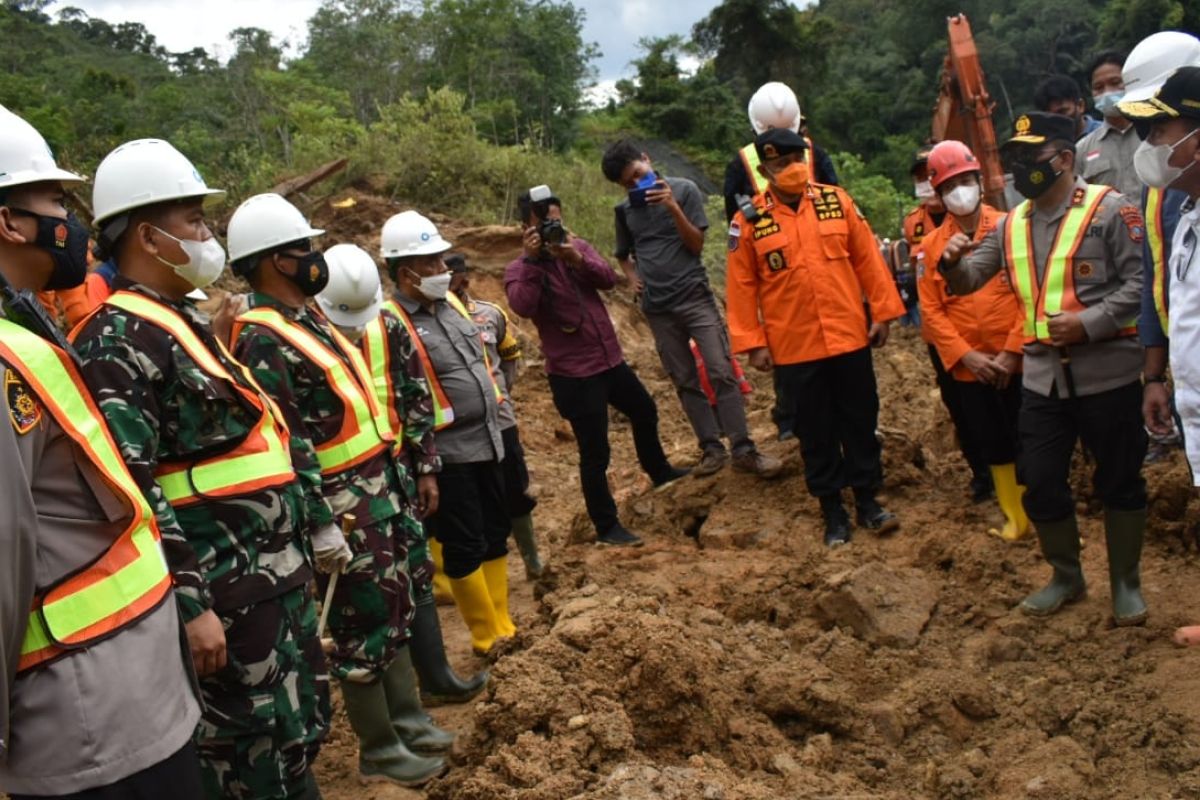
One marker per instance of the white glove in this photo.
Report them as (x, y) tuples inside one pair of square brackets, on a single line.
[(330, 549)]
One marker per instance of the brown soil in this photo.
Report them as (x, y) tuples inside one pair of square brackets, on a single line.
[(735, 657)]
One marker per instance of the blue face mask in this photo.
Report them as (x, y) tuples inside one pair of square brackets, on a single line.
[(1106, 103), (647, 181)]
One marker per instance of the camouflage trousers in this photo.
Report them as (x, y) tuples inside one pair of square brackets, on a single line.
[(373, 604), (267, 712)]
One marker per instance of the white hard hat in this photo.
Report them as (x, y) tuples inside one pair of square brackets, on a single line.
[(353, 295), (774, 105), (264, 222), (141, 173), (24, 155), (410, 234), (1155, 59)]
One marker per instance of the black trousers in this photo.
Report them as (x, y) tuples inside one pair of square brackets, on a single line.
[(472, 522), (952, 400), (837, 408), (1110, 425), (516, 474), (176, 777), (784, 409), (584, 403), (991, 418)]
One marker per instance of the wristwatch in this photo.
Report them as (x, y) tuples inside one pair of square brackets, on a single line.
[(1153, 379)]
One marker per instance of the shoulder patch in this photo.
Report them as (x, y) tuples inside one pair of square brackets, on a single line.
[(1134, 223), (24, 411), (735, 235)]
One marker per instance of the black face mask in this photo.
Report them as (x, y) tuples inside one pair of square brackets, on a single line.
[(66, 240), (1033, 179), (312, 273)]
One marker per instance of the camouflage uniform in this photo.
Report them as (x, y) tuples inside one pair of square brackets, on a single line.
[(244, 557), (413, 404), (372, 605)]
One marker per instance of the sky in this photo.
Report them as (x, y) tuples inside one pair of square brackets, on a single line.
[(614, 25)]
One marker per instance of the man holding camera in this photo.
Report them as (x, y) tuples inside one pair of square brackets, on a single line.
[(557, 286), (660, 235)]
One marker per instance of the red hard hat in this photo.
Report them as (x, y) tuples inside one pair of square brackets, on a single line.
[(950, 158)]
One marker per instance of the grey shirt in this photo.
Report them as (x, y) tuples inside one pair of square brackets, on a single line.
[(456, 351), (1105, 156), (494, 328), (1108, 281), (668, 269), (122, 704)]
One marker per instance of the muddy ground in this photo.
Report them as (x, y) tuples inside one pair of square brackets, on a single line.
[(735, 658)]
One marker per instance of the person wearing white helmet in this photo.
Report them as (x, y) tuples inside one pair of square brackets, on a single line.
[(774, 105), (1148, 66), (210, 453), (353, 301), (320, 381), (424, 320), (95, 697)]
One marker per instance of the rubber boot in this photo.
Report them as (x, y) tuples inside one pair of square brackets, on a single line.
[(382, 755), (1060, 546), (414, 726), (495, 572), (522, 531), (475, 605), (1008, 495), (441, 583), (439, 682), (1124, 532)]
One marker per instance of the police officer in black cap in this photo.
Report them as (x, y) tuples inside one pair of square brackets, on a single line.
[(1073, 255)]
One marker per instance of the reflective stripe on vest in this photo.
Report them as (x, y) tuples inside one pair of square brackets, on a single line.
[(378, 356), (1158, 253), (1056, 292), (261, 461), (750, 162), (365, 430), (130, 579)]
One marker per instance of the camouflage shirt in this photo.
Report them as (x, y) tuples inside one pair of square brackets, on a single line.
[(411, 399), (373, 490), (161, 406)]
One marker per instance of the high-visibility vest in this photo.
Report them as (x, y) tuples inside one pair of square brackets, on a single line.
[(130, 579), (375, 339), (365, 430), (262, 461), (751, 161), (1156, 239), (1056, 291)]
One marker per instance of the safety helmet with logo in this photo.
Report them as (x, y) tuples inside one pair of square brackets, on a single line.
[(24, 155), (1154, 59), (774, 105), (354, 294), (265, 222), (950, 158), (410, 234), (142, 173)]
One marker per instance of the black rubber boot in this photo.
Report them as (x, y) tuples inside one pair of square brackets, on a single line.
[(837, 521), (1123, 533), (1060, 546), (439, 682), (873, 516), (522, 533)]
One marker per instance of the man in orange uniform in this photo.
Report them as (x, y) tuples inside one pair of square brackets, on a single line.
[(978, 337), (795, 285)]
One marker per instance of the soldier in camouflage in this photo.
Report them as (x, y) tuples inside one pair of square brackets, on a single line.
[(320, 382), (235, 541)]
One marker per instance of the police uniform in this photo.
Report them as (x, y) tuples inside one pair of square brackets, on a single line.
[(1083, 256), (795, 283), (119, 711), (210, 453)]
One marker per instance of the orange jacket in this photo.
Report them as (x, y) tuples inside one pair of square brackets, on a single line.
[(988, 320), (796, 280), (918, 224), (74, 304)]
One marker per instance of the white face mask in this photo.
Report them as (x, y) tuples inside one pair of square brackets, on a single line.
[(434, 287), (924, 190), (206, 260), (962, 200), (1150, 163)]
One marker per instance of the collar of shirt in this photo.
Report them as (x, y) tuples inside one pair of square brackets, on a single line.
[(187, 306), (1106, 128), (410, 305), (259, 300)]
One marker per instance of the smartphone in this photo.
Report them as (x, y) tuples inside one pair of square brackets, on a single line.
[(637, 195)]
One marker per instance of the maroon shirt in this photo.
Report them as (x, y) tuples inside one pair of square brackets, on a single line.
[(577, 335)]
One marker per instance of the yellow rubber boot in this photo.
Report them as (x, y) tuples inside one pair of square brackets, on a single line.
[(496, 574), (475, 605), (441, 584), (1008, 495)]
